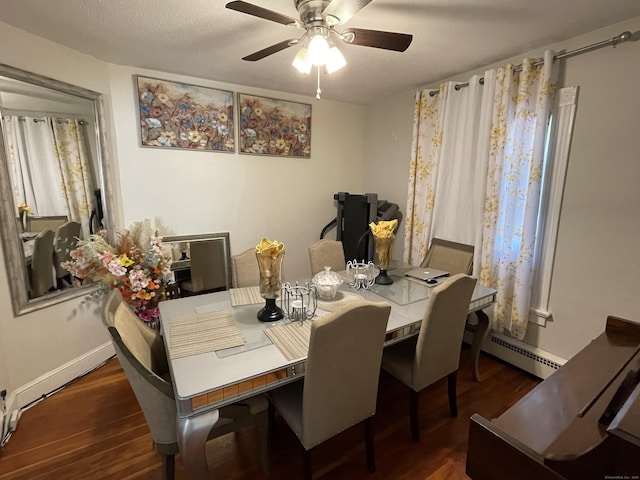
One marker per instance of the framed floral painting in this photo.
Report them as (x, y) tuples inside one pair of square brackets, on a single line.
[(274, 127), (179, 115)]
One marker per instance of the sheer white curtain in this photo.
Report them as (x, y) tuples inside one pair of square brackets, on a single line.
[(448, 167), (36, 177), (516, 159)]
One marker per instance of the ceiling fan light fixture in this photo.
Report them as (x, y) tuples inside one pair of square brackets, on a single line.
[(335, 60), (301, 61), (318, 50)]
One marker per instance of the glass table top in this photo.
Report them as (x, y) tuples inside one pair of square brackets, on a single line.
[(402, 291)]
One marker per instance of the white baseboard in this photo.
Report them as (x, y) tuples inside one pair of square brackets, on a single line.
[(57, 378), (531, 359)]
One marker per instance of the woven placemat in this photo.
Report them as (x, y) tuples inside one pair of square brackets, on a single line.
[(203, 333), (245, 296), (292, 339)]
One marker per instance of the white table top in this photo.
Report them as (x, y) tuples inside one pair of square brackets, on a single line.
[(196, 375)]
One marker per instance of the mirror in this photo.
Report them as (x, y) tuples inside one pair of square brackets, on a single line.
[(52, 170), (180, 248)]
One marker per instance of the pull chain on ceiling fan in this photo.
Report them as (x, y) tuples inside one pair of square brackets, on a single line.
[(318, 19)]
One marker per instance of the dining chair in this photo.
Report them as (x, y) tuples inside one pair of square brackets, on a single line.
[(245, 271), (65, 239), (155, 395), (208, 268), (340, 385), (328, 253), (449, 256), (435, 352), (41, 271), (51, 222)]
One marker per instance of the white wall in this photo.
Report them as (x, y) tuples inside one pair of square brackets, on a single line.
[(286, 199), (249, 196), (600, 224), (36, 344)]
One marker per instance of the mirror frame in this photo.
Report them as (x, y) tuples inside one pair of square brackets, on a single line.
[(224, 236), (13, 255)]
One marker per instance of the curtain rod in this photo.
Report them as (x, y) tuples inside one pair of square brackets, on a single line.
[(623, 37), (59, 120)]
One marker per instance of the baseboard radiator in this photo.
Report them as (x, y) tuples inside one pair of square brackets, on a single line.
[(531, 359)]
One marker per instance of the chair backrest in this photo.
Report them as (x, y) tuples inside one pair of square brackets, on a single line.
[(449, 256), (65, 239), (329, 253), (37, 224), (42, 263), (154, 394), (244, 269), (146, 344), (440, 338), (342, 371), (208, 265), (111, 303)]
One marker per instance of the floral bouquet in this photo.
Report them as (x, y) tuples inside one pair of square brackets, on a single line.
[(137, 266)]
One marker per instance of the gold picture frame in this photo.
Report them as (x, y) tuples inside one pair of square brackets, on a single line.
[(273, 127)]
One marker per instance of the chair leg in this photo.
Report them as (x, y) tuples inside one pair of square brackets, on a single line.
[(368, 441), (272, 420), (168, 467), (263, 433), (306, 464), (453, 403), (413, 415)]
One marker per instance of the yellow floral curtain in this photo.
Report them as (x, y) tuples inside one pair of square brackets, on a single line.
[(71, 154), (505, 147), (423, 171), (514, 180)]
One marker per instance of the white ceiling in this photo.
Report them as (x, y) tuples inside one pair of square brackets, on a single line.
[(202, 38)]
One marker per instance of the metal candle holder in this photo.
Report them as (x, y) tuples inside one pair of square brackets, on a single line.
[(361, 274), (299, 302)]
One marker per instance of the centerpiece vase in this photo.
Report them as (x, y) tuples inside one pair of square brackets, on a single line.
[(270, 265), (383, 251)]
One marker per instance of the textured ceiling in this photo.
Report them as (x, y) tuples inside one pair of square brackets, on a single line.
[(202, 38)]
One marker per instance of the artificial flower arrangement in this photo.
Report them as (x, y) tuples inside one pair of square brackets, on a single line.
[(137, 265)]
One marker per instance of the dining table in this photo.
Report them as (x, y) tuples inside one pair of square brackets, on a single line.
[(220, 353)]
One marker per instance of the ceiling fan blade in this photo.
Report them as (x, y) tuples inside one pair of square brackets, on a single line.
[(398, 42), (265, 13), (343, 10), (265, 52)]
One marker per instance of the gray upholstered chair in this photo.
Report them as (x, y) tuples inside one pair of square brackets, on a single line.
[(208, 266), (449, 256), (41, 271), (340, 385), (65, 239), (435, 352), (156, 398), (244, 269), (328, 253)]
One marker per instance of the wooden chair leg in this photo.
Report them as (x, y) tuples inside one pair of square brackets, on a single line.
[(368, 441), (306, 464), (272, 420), (413, 415), (453, 402)]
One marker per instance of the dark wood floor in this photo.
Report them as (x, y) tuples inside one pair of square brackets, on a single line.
[(93, 429)]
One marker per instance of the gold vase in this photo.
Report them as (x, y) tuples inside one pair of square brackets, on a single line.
[(383, 254), (270, 265)]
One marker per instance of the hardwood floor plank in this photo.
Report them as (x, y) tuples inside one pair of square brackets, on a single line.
[(93, 429)]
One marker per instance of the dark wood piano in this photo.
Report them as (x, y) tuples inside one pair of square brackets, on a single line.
[(583, 422)]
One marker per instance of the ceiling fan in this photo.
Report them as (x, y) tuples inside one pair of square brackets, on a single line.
[(319, 18)]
